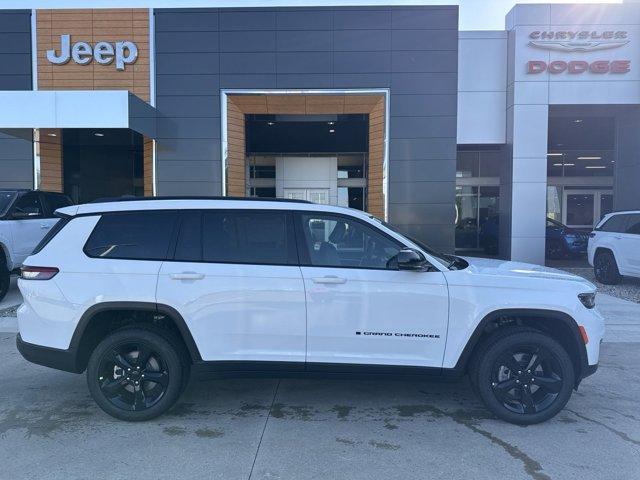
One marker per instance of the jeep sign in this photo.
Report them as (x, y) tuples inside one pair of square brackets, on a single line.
[(104, 53)]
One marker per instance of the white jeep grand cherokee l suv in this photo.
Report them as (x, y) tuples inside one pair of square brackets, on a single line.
[(614, 247), (141, 293), (26, 216)]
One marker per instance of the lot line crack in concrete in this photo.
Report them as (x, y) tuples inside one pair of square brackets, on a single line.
[(264, 427), (620, 434), (531, 467)]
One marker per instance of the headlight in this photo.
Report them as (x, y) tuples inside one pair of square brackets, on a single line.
[(588, 299)]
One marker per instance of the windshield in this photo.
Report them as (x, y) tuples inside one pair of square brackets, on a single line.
[(5, 201), (443, 258)]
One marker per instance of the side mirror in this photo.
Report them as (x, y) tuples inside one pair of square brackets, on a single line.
[(409, 259)]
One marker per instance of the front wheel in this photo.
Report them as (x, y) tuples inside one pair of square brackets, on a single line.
[(5, 279), (524, 376), (135, 374), (605, 268)]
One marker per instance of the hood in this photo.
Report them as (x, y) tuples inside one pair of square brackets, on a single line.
[(505, 268)]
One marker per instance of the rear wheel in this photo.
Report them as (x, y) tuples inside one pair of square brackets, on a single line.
[(5, 277), (524, 376), (136, 374), (605, 268)]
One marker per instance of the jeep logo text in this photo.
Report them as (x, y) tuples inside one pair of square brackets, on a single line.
[(104, 53)]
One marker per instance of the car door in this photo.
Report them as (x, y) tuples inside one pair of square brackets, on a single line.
[(235, 279), (27, 224), (360, 308), (630, 244)]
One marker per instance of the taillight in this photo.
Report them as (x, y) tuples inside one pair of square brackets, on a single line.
[(38, 273)]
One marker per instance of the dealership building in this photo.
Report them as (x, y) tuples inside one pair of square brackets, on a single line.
[(467, 140)]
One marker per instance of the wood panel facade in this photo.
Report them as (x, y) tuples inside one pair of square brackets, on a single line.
[(91, 26), (240, 105)]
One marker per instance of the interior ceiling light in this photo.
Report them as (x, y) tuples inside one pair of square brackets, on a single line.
[(596, 166), (577, 120), (270, 123), (565, 164), (52, 134), (554, 154), (98, 134), (331, 130), (589, 158), (330, 123)]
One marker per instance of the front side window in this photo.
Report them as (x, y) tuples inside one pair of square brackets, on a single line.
[(132, 235), (236, 236), (633, 224), (28, 206), (615, 224), (337, 241)]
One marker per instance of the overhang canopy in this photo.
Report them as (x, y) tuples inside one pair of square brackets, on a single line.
[(76, 109)]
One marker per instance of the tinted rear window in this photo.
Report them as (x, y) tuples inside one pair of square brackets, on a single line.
[(5, 200), (132, 235), (633, 224), (236, 236)]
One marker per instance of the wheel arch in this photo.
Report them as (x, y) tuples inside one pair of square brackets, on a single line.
[(90, 331), (559, 325)]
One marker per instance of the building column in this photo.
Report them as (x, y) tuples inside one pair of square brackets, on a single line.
[(524, 184), (49, 145), (627, 167)]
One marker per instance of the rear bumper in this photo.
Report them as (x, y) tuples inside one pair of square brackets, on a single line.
[(49, 357)]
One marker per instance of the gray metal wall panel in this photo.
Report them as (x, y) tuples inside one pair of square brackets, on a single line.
[(172, 42), (304, 41), (410, 50), (16, 146), (248, 41), (303, 62)]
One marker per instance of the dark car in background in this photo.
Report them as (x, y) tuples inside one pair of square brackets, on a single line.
[(561, 241)]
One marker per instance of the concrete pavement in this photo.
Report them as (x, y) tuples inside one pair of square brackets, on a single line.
[(326, 429)]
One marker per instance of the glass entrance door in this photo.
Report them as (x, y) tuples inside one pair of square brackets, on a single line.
[(584, 208), (315, 195)]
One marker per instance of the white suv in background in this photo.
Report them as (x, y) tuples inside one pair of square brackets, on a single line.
[(26, 216), (614, 247), (140, 293)]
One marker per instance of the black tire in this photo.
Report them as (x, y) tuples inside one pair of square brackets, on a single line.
[(555, 249), (5, 277), (605, 268), (122, 387), (502, 389)]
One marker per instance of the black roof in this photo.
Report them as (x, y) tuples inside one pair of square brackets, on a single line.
[(196, 197)]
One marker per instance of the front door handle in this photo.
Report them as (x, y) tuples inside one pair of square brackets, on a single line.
[(186, 276), (329, 279)]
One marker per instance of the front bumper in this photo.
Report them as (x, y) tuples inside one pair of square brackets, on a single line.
[(49, 357)]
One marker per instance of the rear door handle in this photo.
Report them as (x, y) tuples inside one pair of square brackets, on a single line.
[(329, 279), (187, 276)]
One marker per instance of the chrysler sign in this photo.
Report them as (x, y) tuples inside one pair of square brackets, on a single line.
[(104, 53), (578, 41)]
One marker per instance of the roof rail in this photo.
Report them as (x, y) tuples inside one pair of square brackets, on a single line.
[(195, 197)]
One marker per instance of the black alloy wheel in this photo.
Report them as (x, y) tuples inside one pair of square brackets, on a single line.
[(136, 374), (605, 268), (526, 379), (523, 375), (5, 280), (133, 376)]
